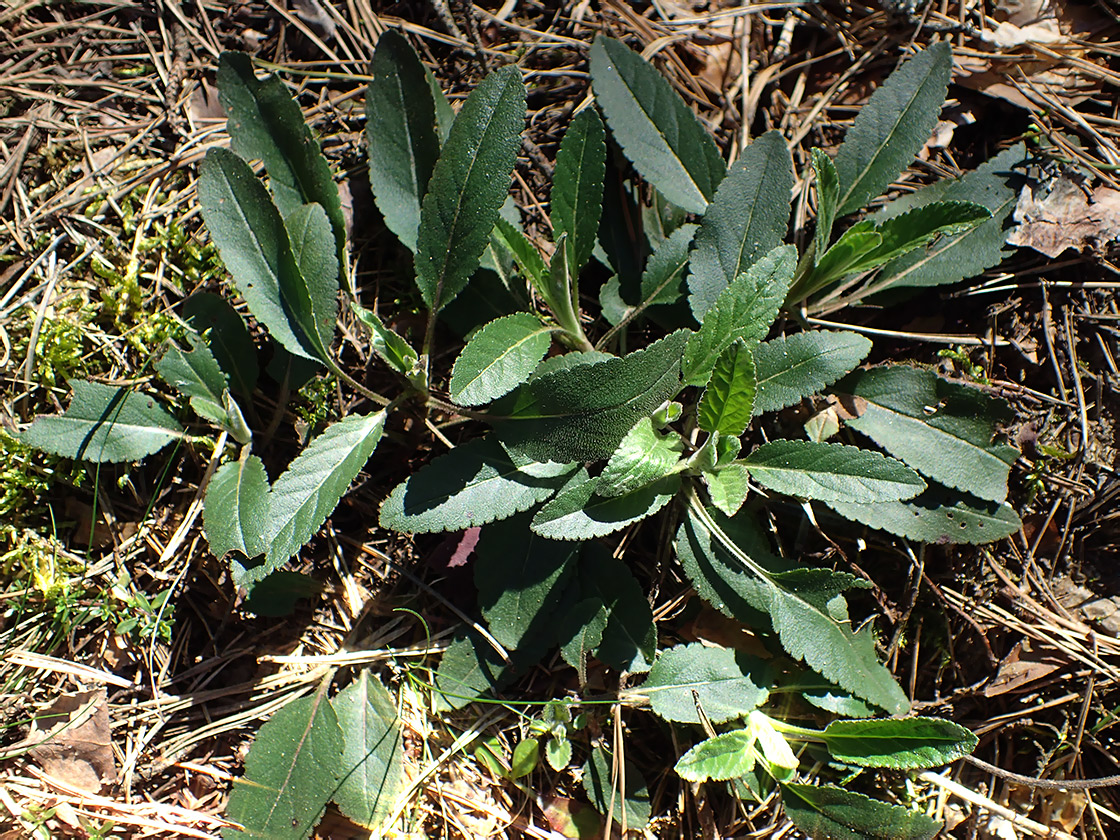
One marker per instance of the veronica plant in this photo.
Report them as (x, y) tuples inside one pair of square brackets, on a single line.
[(590, 428)]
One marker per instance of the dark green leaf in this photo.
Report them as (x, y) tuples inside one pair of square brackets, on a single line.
[(235, 513), (470, 668), (993, 185), (728, 401), (468, 186), (937, 516), (622, 247), (747, 219), (292, 372), (583, 412), (577, 186), (811, 470), (314, 302), (520, 578), (474, 484), (629, 637), (227, 337), (839, 814), (790, 368), (659, 133), (103, 424), (718, 578), (277, 595), (688, 676), (498, 358), (372, 768), (662, 280), (254, 245), (892, 127), (942, 429), (660, 218), (581, 632), (744, 310), (828, 198), (577, 513), (485, 298), (497, 257), (631, 804), (445, 114), (907, 744), (401, 133), (291, 772), (919, 227), (265, 123), (805, 609), (309, 490)]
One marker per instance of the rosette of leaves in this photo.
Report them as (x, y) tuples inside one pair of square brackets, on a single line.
[(588, 438), (588, 442)]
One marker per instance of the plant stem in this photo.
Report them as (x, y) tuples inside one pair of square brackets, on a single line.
[(373, 396)]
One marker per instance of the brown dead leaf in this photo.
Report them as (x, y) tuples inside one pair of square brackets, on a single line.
[(316, 16), (572, 818), (73, 741), (1067, 217), (1063, 808), (1050, 79), (1020, 667), (204, 105), (1030, 56)]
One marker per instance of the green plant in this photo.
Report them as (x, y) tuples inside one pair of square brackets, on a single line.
[(586, 443)]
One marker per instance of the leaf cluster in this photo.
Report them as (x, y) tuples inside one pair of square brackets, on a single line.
[(586, 438)]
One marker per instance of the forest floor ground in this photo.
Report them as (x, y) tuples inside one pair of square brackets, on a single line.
[(111, 600)]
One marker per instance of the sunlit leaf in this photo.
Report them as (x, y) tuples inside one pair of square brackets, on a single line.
[(474, 484), (747, 218), (826, 811), (291, 772), (744, 310), (401, 133), (582, 412), (728, 401), (659, 133), (468, 186), (103, 424), (790, 368), (946, 430), (265, 123), (892, 127), (308, 491), (811, 470), (908, 744), (372, 774), (690, 678), (498, 358), (577, 187), (235, 514)]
